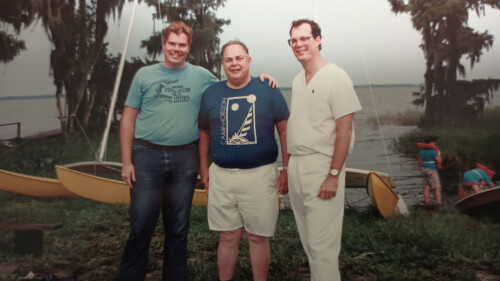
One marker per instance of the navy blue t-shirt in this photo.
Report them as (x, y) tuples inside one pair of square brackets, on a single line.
[(241, 123)]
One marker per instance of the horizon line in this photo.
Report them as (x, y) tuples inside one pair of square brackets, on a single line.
[(43, 96)]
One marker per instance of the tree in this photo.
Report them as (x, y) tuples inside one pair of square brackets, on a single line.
[(200, 15), (446, 38), (76, 30), (103, 80), (15, 15)]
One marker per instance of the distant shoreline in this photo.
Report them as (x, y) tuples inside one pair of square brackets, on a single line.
[(27, 97), (388, 86), (282, 88)]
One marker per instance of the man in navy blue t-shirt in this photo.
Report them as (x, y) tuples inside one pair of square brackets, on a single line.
[(237, 120)]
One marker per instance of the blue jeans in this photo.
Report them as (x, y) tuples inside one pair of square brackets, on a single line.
[(165, 179)]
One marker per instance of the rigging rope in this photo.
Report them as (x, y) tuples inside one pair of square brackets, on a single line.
[(367, 74), (84, 134)]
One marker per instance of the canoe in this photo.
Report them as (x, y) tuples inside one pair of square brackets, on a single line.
[(32, 186), (97, 168), (93, 187), (107, 190), (382, 196), (358, 178), (487, 200), (200, 197)]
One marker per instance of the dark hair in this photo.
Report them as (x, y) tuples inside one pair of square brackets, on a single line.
[(233, 42), (178, 28), (430, 138), (315, 29)]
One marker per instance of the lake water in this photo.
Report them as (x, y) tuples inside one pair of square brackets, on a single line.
[(36, 116), (40, 115), (369, 150)]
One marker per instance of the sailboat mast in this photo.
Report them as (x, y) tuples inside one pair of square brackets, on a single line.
[(102, 148)]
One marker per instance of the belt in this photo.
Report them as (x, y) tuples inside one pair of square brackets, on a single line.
[(159, 146)]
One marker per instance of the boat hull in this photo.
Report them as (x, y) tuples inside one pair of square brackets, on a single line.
[(200, 197), (382, 195), (93, 187), (358, 178), (487, 200), (107, 190), (98, 168), (32, 186)]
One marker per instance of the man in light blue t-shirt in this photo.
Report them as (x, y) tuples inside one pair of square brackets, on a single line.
[(161, 164), (159, 146), (237, 121)]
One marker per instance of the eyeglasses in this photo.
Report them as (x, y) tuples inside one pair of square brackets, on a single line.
[(293, 41)]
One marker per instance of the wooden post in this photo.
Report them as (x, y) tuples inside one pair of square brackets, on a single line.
[(18, 130), (29, 236), (29, 242), (18, 124)]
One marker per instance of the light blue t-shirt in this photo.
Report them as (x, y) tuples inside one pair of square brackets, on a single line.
[(428, 156), (476, 175), (168, 102), (241, 123)]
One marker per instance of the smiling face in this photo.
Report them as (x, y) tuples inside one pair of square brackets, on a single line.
[(304, 46), (175, 50), (236, 64)]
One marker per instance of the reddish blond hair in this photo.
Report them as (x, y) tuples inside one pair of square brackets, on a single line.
[(178, 28)]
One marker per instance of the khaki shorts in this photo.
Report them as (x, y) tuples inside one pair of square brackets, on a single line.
[(430, 178), (243, 198)]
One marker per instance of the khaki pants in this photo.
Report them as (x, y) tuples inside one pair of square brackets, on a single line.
[(319, 221)]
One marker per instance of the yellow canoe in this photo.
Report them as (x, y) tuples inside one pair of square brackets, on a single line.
[(32, 186), (93, 187), (106, 190), (358, 178), (200, 197), (382, 195)]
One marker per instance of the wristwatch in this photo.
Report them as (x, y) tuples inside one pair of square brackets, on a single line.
[(334, 172)]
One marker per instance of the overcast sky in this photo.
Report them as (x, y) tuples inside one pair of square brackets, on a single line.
[(362, 36)]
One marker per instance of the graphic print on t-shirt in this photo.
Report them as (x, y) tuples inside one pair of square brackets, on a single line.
[(240, 120), (172, 93)]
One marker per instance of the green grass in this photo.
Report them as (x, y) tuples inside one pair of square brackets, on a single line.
[(39, 156), (422, 246), (461, 148)]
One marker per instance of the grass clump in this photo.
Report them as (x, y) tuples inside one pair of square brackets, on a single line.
[(40, 155), (405, 118), (419, 247), (460, 148)]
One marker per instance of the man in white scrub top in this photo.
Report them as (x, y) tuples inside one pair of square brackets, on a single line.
[(319, 136)]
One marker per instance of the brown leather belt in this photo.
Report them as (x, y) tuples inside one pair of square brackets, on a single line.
[(159, 146)]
